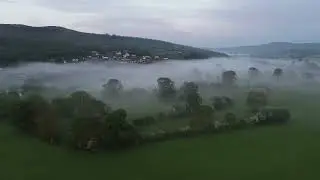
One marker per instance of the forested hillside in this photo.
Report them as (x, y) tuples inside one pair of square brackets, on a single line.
[(20, 43)]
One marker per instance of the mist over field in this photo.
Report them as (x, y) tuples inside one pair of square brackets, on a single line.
[(91, 76)]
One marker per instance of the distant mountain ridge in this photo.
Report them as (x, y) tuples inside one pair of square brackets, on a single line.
[(277, 50), (26, 43)]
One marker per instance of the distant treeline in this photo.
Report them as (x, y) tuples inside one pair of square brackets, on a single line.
[(278, 50)]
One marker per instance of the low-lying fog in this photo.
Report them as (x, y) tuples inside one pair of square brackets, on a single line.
[(91, 76)]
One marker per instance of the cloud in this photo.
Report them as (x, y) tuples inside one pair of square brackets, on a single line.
[(200, 23)]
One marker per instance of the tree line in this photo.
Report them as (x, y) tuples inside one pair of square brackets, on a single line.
[(83, 122)]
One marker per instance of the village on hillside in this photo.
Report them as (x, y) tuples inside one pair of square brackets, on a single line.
[(117, 56)]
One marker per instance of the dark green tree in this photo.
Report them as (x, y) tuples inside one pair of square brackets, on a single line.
[(257, 99), (87, 133), (166, 88), (84, 105), (229, 78), (8, 102), (253, 73), (113, 87), (193, 102), (230, 118), (278, 72), (118, 133), (29, 112), (189, 88)]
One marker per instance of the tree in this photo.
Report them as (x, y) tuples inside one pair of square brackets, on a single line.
[(202, 118), (84, 105), (48, 126), (118, 132), (229, 78), (253, 73), (32, 85), (166, 87), (257, 98), (222, 102), (278, 72), (308, 76), (194, 101), (29, 112), (85, 131), (113, 87), (271, 115), (145, 121), (230, 118), (8, 102), (189, 88), (63, 107)]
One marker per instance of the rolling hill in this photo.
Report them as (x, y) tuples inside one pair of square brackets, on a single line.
[(21, 43), (277, 50)]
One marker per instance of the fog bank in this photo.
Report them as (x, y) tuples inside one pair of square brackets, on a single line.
[(91, 76)]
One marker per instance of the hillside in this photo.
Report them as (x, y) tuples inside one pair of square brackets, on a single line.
[(20, 43), (277, 50)]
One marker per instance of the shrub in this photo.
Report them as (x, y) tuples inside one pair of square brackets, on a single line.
[(118, 132), (113, 87), (29, 112), (257, 98), (222, 103), (230, 118), (229, 78), (194, 101), (202, 118), (166, 88), (146, 121), (278, 72), (84, 105), (270, 115), (87, 133), (8, 102), (189, 88)]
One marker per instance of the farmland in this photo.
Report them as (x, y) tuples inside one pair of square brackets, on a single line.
[(287, 151)]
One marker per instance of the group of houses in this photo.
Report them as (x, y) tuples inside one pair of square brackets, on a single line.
[(119, 56)]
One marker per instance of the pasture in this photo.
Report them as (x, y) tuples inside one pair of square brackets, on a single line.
[(289, 151)]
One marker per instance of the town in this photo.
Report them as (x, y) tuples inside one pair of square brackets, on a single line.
[(117, 56)]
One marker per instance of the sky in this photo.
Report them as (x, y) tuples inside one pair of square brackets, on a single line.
[(202, 23)]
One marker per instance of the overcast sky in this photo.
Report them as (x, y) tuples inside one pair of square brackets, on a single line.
[(205, 23)]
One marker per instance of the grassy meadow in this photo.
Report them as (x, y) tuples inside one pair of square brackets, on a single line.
[(289, 151)]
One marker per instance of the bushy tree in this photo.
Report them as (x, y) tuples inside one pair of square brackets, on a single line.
[(84, 105), (118, 132), (189, 88), (63, 107), (32, 85), (308, 76), (202, 118), (278, 72), (8, 102), (193, 101), (48, 126), (166, 87), (257, 98), (271, 115), (145, 121), (230, 118), (253, 73), (222, 102), (229, 78), (29, 112), (87, 133), (113, 87)]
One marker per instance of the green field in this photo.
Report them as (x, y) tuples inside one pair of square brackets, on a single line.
[(288, 151)]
